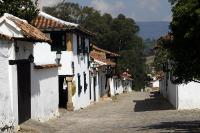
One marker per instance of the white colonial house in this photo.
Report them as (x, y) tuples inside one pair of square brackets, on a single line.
[(72, 43), (181, 96), (122, 83), (103, 71), (28, 80)]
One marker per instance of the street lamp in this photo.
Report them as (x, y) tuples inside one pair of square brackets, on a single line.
[(58, 57), (31, 58)]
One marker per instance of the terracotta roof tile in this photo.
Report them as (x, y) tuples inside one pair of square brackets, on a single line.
[(126, 76), (29, 32), (46, 66), (105, 51), (101, 58), (46, 23)]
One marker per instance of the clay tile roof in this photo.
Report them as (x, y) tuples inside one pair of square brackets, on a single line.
[(47, 66), (5, 37), (44, 23), (105, 51), (126, 76), (101, 58), (29, 32)]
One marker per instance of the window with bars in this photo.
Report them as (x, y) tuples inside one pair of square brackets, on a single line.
[(85, 82), (79, 85)]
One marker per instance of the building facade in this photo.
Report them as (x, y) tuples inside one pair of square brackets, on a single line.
[(73, 43), (25, 81)]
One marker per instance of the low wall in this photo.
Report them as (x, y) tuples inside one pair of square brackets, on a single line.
[(44, 94), (189, 96)]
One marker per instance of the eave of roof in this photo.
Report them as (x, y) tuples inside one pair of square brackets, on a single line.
[(47, 66), (5, 37), (47, 22), (101, 58), (26, 31), (105, 51), (29, 32)]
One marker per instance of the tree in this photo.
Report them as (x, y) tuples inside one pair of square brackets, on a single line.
[(65, 11), (162, 54), (185, 49), (24, 9)]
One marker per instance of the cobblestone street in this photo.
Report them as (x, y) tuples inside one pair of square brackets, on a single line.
[(129, 113)]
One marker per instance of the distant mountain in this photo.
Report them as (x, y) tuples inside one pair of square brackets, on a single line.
[(153, 30)]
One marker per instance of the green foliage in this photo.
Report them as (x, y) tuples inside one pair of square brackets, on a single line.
[(114, 34), (162, 54), (24, 9), (149, 45), (185, 50)]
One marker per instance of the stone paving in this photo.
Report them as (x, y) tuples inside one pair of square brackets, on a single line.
[(140, 112)]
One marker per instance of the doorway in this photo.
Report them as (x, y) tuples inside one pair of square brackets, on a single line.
[(24, 91), (94, 86), (63, 92)]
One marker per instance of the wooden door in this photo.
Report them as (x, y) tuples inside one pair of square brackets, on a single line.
[(24, 91)]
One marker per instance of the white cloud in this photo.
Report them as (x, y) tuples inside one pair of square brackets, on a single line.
[(42, 3), (105, 7), (150, 5)]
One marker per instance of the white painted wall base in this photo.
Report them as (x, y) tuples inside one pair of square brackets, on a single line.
[(7, 120), (183, 96), (44, 94)]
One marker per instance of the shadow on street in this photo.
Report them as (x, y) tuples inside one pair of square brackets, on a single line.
[(176, 126), (155, 102)]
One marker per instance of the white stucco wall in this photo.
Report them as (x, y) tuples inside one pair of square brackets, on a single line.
[(169, 90), (42, 53), (66, 61), (6, 109), (183, 96), (127, 85), (44, 84), (162, 87), (8, 53), (155, 83), (102, 82), (44, 94), (112, 86), (172, 93), (80, 66), (96, 88), (120, 88), (188, 96)]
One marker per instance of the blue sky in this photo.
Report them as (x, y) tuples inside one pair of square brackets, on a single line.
[(140, 10)]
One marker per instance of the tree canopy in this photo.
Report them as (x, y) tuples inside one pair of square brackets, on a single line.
[(24, 9), (117, 34), (185, 49)]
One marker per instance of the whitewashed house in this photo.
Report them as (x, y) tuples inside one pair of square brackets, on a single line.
[(182, 96), (73, 43), (28, 80), (127, 81), (122, 83), (103, 69)]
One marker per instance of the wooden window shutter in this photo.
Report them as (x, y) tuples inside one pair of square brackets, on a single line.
[(78, 44), (79, 85), (85, 82), (69, 42)]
